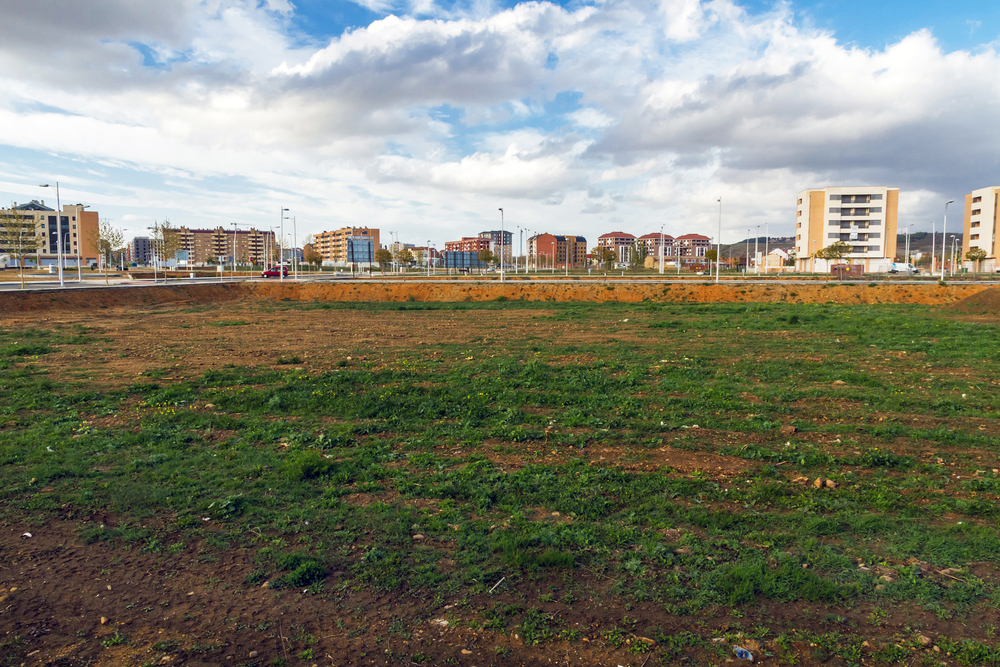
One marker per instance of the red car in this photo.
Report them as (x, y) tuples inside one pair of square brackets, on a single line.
[(275, 271)]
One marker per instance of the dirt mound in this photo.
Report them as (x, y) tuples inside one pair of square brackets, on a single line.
[(986, 302), (118, 296), (514, 290)]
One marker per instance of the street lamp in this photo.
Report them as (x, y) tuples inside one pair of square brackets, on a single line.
[(428, 258), (767, 240), (58, 228), (908, 247), (281, 260), (944, 230), (718, 244), (954, 241), (501, 245), (79, 241), (933, 248), (756, 238)]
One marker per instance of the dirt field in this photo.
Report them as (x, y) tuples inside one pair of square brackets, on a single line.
[(63, 599)]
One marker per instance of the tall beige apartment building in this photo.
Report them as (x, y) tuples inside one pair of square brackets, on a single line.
[(981, 225), (862, 216), (74, 227), (333, 245)]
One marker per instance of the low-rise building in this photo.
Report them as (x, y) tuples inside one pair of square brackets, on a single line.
[(620, 243), (557, 251)]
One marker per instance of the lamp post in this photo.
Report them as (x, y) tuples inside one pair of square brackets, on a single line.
[(954, 241), (553, 254), (501, 245), (281, 259), (767, 239), (58, 228), (428, 258), (234, 254), (756, 238), (718, 244), (295, 248), (908, 247), (944, 230), (933, 249), (661, 250)]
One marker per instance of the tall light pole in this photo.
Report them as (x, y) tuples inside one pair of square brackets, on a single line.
[(281, 231), (933, 248), (954, 240), (767, 239), (428, 258), (661, 250), (718, 244), (944, 230), (908, 247), (746, 269), (58, 235), (756, 266), (295, 248), (501, 245)]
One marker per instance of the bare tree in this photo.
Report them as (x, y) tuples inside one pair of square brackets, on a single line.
[(108, 240), (19, 237)]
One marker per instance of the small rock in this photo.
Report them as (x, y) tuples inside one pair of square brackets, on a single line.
[(880, 587), (886, 578), (819, 482), (209, 406), (838, 383), (924, 639), (647, 640), (682, 550), (266, 584), (788, 429), (800, 480), (466, 651), (440, 621), (830, 484), (253, 654), (109, 587), (166, 660), (937, 649), (103, 620), (418, 537)]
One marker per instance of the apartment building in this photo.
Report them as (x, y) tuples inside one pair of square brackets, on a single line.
[(553, 250), (691, 247), (620, 243), (981, 225), (652, 243), (204, 246), (333, 245), (471, 244), (74, 227), (862, 216), (504, 239)]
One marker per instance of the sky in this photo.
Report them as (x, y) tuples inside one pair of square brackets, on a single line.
[(424, 118)]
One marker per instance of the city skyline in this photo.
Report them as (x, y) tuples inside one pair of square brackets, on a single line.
[(424, 118)]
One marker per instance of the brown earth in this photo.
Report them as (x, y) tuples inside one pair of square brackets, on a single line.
[(199, 609), (590, 291)]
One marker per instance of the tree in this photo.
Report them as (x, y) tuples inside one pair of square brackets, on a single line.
[(108, 240), (405, 257), (310, 255), (711, 254), (976, 255), (19, 237), (486, 257), (836, 252), (166, 240), (603, 255), (383, 257)]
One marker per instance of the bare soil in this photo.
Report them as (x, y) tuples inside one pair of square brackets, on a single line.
[(62, 598)]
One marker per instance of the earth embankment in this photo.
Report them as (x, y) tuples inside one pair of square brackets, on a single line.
[(454, 291)]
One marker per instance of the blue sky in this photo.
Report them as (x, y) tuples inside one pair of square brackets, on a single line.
[(424, 117)]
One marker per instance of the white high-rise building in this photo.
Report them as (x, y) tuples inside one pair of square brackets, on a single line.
[(862, 216), (981, 225)]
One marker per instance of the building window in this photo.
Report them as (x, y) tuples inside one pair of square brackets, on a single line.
[(975, 237), (835, 210), (977, 211), (799, 214), (834, 197), (975, 224), (833, 236), (876, 209), (834, 223), (975, 200), (800, 201), (876, 196), (874, 223)]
